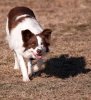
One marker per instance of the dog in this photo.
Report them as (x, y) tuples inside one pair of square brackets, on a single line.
[(27, 39)]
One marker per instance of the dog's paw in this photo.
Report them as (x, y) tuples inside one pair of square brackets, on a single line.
[(26, 79), (35, 68)]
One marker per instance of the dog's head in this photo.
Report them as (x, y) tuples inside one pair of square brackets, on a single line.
[(36, 45)]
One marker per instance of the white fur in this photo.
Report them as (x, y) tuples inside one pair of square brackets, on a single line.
[(23, 67), (40, 45), (16, 43), (7, 29), (29, 64), (38, 66), (21, 16), (39, 40), (16, 66), (31, 24)]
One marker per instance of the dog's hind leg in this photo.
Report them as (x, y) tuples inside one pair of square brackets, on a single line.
[(16, 66)]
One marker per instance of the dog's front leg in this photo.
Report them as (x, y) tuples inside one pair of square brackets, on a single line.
[(39, 65), (16, 66), (29, 64), (23, 67)]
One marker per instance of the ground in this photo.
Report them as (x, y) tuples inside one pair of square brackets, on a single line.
[(68, 66)]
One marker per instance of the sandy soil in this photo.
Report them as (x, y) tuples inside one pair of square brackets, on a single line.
[(68, 69)]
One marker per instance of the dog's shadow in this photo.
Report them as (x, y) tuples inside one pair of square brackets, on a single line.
[(65, 66)]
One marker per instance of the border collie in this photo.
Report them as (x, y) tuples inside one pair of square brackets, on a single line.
[(27, 39)]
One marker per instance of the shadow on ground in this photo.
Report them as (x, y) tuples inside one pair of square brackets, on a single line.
[(65, 66)]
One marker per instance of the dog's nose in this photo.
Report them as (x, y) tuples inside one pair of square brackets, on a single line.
[(39, 51)]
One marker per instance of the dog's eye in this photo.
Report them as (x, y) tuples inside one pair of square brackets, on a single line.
[(41, 43)]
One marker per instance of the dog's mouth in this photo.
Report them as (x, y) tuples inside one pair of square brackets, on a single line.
[(38, 56)]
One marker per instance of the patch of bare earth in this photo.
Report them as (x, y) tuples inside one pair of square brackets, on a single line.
[(68, 69)]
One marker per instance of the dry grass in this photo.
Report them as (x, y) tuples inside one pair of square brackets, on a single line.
[(68, 72)]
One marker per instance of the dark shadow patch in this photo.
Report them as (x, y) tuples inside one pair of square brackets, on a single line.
[(65, 66)]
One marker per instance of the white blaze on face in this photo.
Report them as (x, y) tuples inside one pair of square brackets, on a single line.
[(40, 43)]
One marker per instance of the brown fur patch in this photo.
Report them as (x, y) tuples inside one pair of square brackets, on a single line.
[(18, 11), (30, 40)]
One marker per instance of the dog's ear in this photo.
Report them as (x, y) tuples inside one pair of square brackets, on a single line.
[(26, 35), (47, 33)]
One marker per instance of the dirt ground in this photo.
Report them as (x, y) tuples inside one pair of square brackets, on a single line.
[(68, 67)]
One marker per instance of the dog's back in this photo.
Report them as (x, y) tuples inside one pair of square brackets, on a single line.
[(18, 14)]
